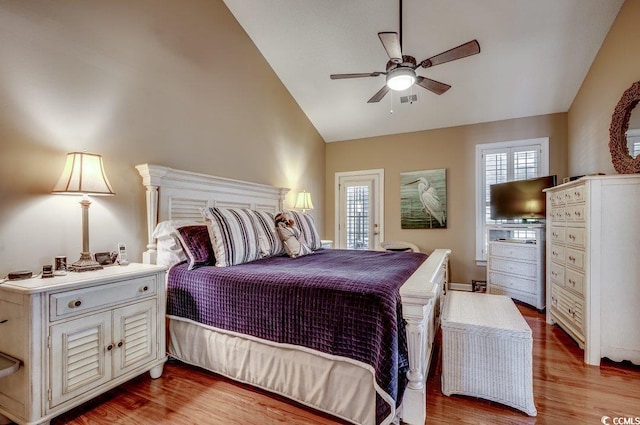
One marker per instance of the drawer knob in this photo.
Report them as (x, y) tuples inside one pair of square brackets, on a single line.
[(75, 303), (144, 289), (120, 344), (109, 347)]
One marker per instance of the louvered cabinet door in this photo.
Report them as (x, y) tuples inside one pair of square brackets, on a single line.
[(80, 356), (134, 336)]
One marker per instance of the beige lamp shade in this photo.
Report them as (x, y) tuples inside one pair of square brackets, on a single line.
[(83, 173), (303, 202)]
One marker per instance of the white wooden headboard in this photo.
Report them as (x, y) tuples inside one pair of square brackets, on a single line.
[(179, 195)]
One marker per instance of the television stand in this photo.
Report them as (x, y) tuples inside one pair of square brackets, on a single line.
[(516, 262)]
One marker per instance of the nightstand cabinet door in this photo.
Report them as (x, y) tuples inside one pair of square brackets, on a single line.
[(134, 336), (80, 357)]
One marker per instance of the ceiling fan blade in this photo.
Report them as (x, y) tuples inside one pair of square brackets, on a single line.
[(432, 85), (363, 74), (462, 51), (378, 96), (391, 43)]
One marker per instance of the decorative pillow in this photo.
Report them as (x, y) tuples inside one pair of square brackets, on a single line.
[(234, 235), (270, 243), (307, 226), (169, 248), (291, 236), (197, 244)]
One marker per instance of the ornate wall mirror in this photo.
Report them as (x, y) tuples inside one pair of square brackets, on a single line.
[(624, 132)]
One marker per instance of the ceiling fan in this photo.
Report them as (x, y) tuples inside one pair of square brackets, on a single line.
[(401, 69)]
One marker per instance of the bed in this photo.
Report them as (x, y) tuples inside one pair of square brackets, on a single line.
[(335, 381)]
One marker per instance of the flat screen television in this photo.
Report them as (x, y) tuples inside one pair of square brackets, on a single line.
[(520, 199)]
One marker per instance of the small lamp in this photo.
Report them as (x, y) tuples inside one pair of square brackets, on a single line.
[(84, 174), (304, 201)]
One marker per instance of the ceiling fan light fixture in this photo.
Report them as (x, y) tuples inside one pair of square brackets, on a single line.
[(401, 78)]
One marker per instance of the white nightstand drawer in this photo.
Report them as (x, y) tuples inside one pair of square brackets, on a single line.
[(71, 303)]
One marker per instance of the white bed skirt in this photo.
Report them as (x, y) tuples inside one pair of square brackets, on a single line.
[(330, 384)]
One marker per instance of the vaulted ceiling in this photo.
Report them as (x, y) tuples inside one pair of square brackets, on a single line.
[(534, 57)]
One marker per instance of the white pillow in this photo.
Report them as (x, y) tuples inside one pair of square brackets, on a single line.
[(170, 250)]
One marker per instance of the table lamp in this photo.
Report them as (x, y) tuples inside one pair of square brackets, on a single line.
[(84, 175), (303, 202)]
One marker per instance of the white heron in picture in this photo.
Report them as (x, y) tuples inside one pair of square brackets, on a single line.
[(431, 204)]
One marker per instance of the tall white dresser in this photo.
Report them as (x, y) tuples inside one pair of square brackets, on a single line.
[(593, 264)]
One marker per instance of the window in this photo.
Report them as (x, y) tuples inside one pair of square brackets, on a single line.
[(357, 206), (499, 163), (359, 210)]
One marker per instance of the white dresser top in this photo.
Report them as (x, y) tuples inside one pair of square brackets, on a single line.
[(483, 312)]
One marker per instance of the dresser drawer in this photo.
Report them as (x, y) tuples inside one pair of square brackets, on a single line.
[(557, 253), (513, 267), (557, 198), (557, 234), (572, 308), (513, 251), (575, 236), (575, 194), (557, 272), (575, 213), (575, 258), (72, 303), (558, 214), (569, 311), (574, 281), (512, 282)]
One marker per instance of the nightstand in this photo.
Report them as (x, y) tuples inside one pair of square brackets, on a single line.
[(79, 335)]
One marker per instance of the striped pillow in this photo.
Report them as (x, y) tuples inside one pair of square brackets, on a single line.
[(307, 226), (234, 235), (270, 243)]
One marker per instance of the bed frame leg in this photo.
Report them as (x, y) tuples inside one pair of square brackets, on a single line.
[(414, 403)]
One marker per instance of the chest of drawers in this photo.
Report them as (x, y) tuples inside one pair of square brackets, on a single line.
[(593, 273), (514, 267)]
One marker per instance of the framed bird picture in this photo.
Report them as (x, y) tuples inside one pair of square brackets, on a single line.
[(423, 199)]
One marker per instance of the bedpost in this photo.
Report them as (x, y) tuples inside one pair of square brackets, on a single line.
[(151, 178), (420, 306)]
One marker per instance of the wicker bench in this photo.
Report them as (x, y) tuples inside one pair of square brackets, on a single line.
[(487, 350)]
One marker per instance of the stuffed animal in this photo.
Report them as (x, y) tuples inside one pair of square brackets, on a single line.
[(291, 237)]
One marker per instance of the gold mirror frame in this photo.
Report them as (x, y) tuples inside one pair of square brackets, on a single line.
[(623, 162)]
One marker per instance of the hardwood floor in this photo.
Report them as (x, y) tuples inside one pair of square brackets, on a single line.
[(566, 391)]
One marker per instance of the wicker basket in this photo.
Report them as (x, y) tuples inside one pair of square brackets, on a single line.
[(487, 350)]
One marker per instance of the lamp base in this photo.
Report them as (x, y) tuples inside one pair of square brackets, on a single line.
[(85, 264)]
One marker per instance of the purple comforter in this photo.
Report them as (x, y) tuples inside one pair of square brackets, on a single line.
[(341, 302)]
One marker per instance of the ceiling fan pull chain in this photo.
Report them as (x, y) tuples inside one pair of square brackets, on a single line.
[(391, 103)]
